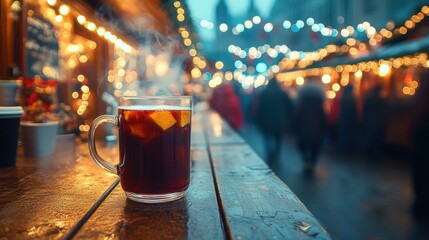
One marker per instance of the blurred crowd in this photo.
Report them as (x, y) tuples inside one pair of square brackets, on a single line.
[(351, 125)]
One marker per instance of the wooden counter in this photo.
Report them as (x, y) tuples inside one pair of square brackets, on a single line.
[(233, 195)]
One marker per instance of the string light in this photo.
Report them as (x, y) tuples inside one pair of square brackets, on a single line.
[(373, 36), (101, 31), (64, 9), (295, 27), (51, 2), (301, 59), (383, 68)]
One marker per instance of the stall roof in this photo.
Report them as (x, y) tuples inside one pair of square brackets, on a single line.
[(138, 19)]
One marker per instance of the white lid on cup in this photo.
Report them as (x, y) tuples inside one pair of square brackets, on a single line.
[(10, 112)]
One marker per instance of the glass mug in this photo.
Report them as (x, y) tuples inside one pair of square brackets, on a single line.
[(154, 147)]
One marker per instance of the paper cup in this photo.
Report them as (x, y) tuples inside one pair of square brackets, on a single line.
[(9, 130)]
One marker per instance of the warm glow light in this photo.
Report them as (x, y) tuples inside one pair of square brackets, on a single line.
[(80, 78), (176, 4), (268, 27), (409, 24), (331, 94), (202, 64), (64, 9), (51, 2), (84, 89), (344, 81), (83, 58), (212, 84), (113, 38), (336, 87), (326, 78), (91, 26), (256, 19), (121, 72), (107, 35), (248, 24), (351, 41), (353, 51), (299, 81), (228, 76), (345, 33), (219, 65), (118, 85), (406, 90), (59, 18), (344, 78), (196, 60), (425, 10), (403, 30), (185, 34), (187, 42), (192, 52), (75, 95), (196, 73), (223, 27), (81, 19), (180, 11), (384, 70), (358, 74), (101, 31), (180, 18), (275, 68)]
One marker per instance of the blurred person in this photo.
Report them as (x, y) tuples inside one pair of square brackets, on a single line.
[(374, 122), (225, 101), (348, 121), (273, 116), (333, 116), (310, 123), (420, 150)]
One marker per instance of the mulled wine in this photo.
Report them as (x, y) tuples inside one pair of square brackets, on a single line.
[(154, 146)]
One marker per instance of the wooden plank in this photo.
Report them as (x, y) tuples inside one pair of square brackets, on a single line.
[(257, 204), (43, 198), (196, 216), (218, 130)]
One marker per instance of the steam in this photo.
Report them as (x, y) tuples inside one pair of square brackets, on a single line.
[(153, 68)]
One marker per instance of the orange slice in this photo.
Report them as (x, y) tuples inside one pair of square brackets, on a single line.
[(164, 119), (184, 118), (127, 115), (137, 130), (130, 115)]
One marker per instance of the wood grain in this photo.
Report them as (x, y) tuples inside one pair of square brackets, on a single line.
[(233, 195), (257, 204), (196, 216), (44, 197)]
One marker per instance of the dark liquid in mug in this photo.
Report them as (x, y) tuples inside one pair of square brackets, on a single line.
[(154, 145)]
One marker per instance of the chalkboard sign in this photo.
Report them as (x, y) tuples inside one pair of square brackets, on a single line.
[(41, 47)]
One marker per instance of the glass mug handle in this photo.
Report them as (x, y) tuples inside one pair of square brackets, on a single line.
[(110, 167)]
